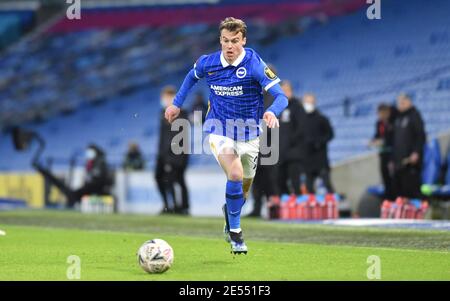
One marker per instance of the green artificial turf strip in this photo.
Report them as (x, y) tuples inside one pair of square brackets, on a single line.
[(254, 229), (39, 253)]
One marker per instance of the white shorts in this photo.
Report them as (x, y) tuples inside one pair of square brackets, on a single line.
[(246, 150)]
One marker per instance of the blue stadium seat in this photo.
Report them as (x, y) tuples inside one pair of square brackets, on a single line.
[(444, 190), (431, 163), (126, 69)]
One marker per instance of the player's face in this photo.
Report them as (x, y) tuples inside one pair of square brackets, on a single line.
[(232, 44)]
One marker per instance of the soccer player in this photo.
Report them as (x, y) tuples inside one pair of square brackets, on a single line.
[(236, 77)]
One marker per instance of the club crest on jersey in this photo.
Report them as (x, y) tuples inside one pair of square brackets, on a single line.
[(269, 73), (241, 72)]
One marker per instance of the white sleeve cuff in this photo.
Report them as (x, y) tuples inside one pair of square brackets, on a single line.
[(271, 84), (195, 74)]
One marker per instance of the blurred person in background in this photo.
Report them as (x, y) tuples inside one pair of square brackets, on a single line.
[(317, 134), (198, 105), (133, 159), (292, 148), (265, 183), (170, 168), (383, 141), (408, 143), (97, 180)]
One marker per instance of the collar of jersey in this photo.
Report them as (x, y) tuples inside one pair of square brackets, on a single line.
[(235, 63)]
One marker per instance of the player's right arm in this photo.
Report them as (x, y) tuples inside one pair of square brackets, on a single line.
[(190, 80)]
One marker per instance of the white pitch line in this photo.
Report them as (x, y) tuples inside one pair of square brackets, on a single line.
[(2, 232)]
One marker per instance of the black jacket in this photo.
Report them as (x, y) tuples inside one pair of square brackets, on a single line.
[(165, 154), (266, 139), (385, 132), (97, 172), (292, 132), (409, 136), (134, 161), (317, 133)]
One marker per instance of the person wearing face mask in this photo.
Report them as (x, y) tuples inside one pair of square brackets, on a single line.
[(265, 184), (317, 134), (97, 179), (170, 168), (291, 162)]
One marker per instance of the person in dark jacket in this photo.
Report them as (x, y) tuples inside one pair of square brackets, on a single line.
[(382, 139), (265, 183), (199, 105), (97, 178), (408, 144), (291, 143), (170, 168), (317, 134), (133, 158)]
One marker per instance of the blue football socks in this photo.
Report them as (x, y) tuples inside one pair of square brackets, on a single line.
[(235, 201)]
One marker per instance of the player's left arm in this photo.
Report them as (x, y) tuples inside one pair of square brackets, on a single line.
[(270, 82)]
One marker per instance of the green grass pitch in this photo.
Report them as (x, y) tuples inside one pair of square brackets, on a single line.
[(38, 243)]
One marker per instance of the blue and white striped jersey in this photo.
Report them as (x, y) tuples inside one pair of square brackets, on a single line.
[(235, 92)]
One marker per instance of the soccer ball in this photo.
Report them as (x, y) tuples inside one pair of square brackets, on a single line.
[(155, 256)]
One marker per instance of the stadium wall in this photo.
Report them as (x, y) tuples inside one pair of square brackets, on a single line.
[(23, 186), (352, 177), (137, 192)]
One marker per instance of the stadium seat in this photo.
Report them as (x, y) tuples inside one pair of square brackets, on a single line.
[(116, 73), (431, 163)]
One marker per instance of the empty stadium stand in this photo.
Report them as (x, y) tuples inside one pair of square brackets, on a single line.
[(102, 84)]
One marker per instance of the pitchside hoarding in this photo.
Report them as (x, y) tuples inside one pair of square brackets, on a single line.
[(137, 192)]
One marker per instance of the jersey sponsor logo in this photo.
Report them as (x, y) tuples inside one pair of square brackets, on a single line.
[(241, 72), (269, 73), (227, 91)]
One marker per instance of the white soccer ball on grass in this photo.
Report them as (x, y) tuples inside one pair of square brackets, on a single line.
[(155, 256)]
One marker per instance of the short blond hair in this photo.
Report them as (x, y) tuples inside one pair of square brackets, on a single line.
[(233, 25)]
